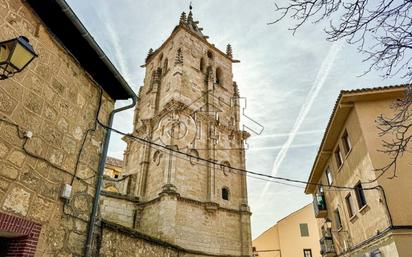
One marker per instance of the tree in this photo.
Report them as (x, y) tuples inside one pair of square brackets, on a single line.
[(382, 29), (399, 129)]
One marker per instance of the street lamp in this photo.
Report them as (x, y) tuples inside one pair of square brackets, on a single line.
[(15, 55), (328, 223)]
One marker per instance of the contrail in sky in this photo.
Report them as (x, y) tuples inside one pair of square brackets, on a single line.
[(280, 146), (323, 73), (114, 39), (286, 134)]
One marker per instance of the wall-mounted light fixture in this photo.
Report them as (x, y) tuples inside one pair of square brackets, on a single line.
[(328, 223), (15, 55)]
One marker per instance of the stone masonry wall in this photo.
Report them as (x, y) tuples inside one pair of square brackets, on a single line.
[(189, 80), (56, 100), (120, 241), (119, 209)]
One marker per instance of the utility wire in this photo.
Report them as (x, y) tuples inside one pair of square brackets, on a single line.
[(269, 178), (222, 165), (25, 139), (93, 129)]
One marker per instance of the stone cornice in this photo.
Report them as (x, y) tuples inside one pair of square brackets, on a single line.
[(198, 203), (120, 196)]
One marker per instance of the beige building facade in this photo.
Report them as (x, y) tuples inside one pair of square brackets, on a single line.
[(296, 235), (372, 215), (113, 176)]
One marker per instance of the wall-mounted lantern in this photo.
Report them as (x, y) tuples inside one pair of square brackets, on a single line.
[(328, 223), (15, 55)]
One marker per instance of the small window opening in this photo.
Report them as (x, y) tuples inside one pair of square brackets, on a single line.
[(347, 146), (219, 77), (338, 221), (329, 176), (338, 157), (225, 194), (307, 252), (349, 205), (304, 229), (360, 195), (202, 65), (209, 55)]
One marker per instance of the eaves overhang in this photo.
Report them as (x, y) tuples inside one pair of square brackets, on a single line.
[(64, 25), (343, 106)]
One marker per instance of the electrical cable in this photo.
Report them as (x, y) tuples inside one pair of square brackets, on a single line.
[(165, 148), (93, 129), (221, 165), (29, 153)]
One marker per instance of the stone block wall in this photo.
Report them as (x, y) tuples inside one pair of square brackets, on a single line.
[(120, 241), (186, 201), (57, 101), (119, 209)]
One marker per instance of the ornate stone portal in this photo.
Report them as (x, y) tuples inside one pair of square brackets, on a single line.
[(189, 103)]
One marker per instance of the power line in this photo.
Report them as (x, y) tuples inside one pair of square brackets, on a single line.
[(222, 165), (25, 139), (261, 176)]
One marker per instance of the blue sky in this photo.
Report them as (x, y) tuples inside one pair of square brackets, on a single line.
[(290, 82)]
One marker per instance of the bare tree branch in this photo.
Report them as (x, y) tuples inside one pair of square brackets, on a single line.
[(399, 128), (382, 29)]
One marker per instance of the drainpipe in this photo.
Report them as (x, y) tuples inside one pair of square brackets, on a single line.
[(100, 171), (86, 35)]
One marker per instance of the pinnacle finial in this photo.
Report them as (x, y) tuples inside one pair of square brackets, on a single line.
[(229, 51), (149, 53), (190, 6), (190, 17), (235, 88), (182, 18)]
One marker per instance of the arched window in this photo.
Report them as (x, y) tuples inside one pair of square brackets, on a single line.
[(165, 64), (161, 57), (194, 156), (226, 168), (219, 76), (225, 193), (157, 156), (202, 65)]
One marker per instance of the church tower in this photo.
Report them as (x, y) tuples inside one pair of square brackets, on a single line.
[(189, 103)]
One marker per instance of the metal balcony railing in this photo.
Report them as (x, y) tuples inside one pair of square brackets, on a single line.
[(327, 247)]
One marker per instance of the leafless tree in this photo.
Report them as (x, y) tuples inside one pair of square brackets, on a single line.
[(382, 29), (398, 128)]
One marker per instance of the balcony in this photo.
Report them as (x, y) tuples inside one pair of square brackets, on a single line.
[(327, 248), (319, 205)]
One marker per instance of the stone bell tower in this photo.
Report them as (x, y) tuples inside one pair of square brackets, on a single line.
[(189, 103)]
